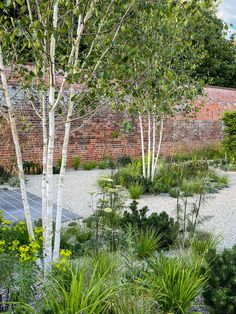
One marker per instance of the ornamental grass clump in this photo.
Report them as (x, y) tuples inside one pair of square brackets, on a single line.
[(146, 243), (76, 162), (173, 283), (81, 293), (135, 190), (89, 165)]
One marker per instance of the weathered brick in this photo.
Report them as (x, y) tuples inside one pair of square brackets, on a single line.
[(95, 139)]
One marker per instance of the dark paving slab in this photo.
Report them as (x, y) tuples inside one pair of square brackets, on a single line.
[(12, 207)]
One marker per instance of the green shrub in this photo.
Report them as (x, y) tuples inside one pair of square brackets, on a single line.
[(210, 152), (229, 120), (135, 190), (174, 192), (126, 176), (105, 182), (161, 223), (172, 175), (32, 168), (4, 175), (123, 161), (89, 165), (173, 284), (103, 164), (19, 281), (76, 162), (56, 169), (75, 238), (14, 182), (58, 162), (220, 294), (204, 246)]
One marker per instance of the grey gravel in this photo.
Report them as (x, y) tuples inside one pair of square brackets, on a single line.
[(79, 185), (220, 208)]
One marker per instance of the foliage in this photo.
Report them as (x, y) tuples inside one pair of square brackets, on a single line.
[(221, 290), (203, 246), (103, 164), (229, 120), (173, 283), (219, 64), (106, 218), (77, 238), (105, 182), (146, 242), (128, 175), (4, 175), (123, 161), (31, 167), (89, 165), (135, 190), (162, 224), (215, 155), (161, 71), (82, 293), (76, 162), (56, 169), (18, 282), (172, 178), (14, 239), (14, 182), (209, 152)]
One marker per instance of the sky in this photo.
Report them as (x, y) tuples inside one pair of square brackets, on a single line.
[(227, 11)]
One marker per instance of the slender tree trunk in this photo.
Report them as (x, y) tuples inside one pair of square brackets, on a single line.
[(197, 213), (142, 146), (17, 147), (153, 144), (65, 146), (158, 149), (44, 177), (149, 146), (61, 179), (51, 140)]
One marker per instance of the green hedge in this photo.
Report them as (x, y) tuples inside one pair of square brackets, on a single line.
[(229, 120)]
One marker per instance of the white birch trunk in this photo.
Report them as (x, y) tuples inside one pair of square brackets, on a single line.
[(149, 146), (153, 144), (142, 145), (60, 193), (158, 149), (17, 148), (44, 176), (50, 153)]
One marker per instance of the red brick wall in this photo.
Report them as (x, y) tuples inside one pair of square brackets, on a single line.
[(95, 139)]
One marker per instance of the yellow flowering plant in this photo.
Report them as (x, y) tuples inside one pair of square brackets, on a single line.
[(14, 240), (63, 262)]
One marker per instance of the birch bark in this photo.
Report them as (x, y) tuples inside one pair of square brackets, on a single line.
[(158, 149), (17, 147), (50, 148), (153, 143), (149, 146), (142, 145)]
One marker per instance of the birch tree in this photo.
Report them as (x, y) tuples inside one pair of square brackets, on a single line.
[(72, 38), (170, 39)]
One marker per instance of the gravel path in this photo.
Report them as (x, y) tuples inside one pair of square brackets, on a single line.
[(220, 208)]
